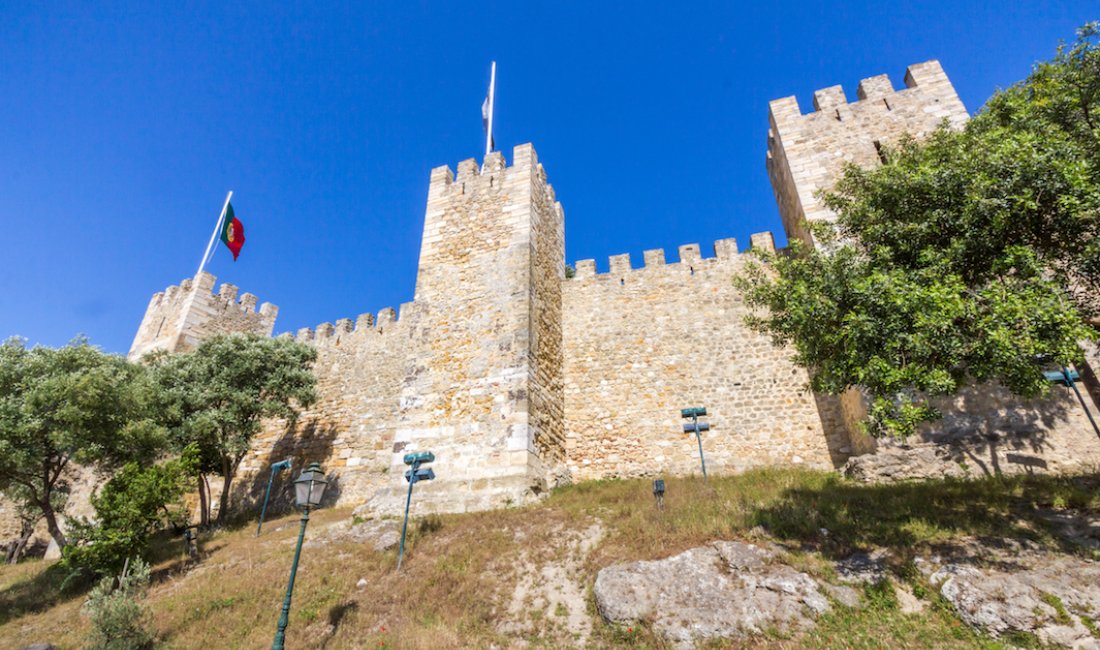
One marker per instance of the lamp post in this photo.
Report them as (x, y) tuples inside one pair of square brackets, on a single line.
[(697, 427), (1068, 377), (412, 475), (308, 490), (277, 467)]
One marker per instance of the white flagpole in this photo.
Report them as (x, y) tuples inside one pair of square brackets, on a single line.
[(213, 235), (492, 88)]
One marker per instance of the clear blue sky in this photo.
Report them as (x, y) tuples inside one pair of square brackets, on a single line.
[(122, 127)]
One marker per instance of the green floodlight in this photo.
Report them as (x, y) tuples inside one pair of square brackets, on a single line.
[(659, 493), (696, 427), (275, 467), (419, 457), (414, 475), (1069, 377)]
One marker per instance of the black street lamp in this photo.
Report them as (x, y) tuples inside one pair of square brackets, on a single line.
[(308, 490)]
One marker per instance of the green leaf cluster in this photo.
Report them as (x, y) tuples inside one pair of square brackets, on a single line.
[(73, 404), (138, 500), (118, 617), (965, 257), (217, 396)]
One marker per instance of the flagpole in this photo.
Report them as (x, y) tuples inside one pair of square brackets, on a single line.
[(492, 89), (214, 235)]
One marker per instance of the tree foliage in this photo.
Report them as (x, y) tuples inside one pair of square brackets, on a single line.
[(217, 396), (69, 405), (139, 500), (962, 258)]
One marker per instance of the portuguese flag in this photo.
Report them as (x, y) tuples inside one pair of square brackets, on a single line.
[(232, 232)]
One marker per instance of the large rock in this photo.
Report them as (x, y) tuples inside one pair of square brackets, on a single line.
[(1003, 586), (380, 534), (723, 590)]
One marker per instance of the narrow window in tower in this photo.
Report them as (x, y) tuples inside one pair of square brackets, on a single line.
[(159, 328), (838, 115), (880, 152), (887, 102)]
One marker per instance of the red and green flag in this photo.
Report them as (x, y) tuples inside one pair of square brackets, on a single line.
[(232, 232)]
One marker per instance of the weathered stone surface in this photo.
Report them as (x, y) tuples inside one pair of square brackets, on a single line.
[(987, 432), (1002, 586), (379, 534), (723, 590), (520, 379)]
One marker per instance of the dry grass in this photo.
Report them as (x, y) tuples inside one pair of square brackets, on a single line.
[(461, 571)]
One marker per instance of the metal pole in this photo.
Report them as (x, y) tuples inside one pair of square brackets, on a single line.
[(699, 438), (284, 618), (1080, 398), (489, 127), (405, 526), (263, 511), (214, 235)]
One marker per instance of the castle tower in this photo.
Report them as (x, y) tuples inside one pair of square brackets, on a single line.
[(181, 316), (483, 388), (807, 152)]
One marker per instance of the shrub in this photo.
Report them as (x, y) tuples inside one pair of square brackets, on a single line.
[(118, 617)]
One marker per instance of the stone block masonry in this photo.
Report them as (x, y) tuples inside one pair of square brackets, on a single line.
[(806, 152), (181, 316), (641, 344), (519, 379)]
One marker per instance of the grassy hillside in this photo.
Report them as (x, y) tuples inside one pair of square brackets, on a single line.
[(524, 575)]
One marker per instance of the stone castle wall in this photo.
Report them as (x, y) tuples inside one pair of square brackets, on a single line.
[(806, 152), (643, 343), (181, 316), (360, 367), (519, 379)]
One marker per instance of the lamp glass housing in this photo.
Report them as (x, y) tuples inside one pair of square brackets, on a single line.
[(309, 488)]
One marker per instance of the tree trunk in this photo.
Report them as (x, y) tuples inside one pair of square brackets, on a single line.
[(204, 503), (223, 502), (17, 546), (51, 522)]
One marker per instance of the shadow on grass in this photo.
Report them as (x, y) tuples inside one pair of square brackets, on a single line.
[(837, 517), (40, 592)]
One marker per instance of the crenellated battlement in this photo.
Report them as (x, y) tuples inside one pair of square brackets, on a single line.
[(925, 83), (181, 315), (807, 151), (491, 177), (690, 259), (346, 329), (519, 379)]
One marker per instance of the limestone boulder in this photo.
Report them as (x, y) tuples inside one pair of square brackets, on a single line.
[(1007, 586), (379, 534), (722, 590)]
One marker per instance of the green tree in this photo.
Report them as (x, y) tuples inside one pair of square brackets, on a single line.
[(962, 258), (138, 500), (218, 395), (69, 405)]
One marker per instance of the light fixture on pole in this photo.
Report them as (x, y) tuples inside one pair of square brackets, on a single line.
[(1068, 377), (412, 475), (697, 428), (276, 467), (309, 488)]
